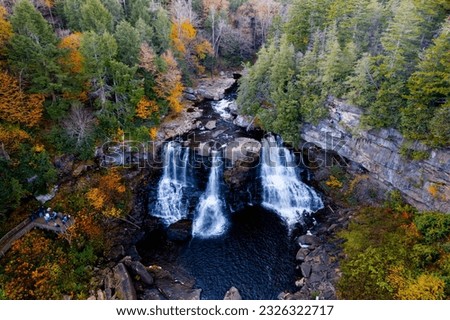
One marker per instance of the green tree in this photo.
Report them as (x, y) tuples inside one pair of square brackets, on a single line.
[(98, 52), (71, 12), (115, 8), (254, 86), (286, 119), (95, 17), (429, 89), (305, 18), (33, 52), (145, 31), (401, 43), (128, 43), (309, 84), (362, 85), (139, 9), (161, 30)]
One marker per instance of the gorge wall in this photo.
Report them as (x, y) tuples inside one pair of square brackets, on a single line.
[(423, 183)]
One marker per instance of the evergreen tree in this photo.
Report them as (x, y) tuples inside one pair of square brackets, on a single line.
[(128, 43), (98, 52), (116, 10), (145, 32), (95, 17), (429, 95), (254, 87), (161, 30), (309, 83), (33, 52), (305, 18), (285, 118), (401, 43), (362, 85), (71, 11), (139, 9)]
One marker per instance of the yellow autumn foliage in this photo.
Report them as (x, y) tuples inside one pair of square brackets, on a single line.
[(12, 137), (17, 106), (145, 108)]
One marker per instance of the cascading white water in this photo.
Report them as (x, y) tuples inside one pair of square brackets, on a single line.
[(222, 107), (283, 191), (209, 220), (172, 205)]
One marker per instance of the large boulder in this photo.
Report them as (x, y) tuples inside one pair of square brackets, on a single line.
[(232, 294), (172, 288), (214, 89), (138, 269), (243, 149), (244, 122), (123, 283), (211, 125)]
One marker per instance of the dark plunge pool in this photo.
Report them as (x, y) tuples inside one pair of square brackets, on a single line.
[(255, 255)]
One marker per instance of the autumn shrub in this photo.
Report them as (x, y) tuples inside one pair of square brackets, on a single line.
[(433, 226), (395, 253)]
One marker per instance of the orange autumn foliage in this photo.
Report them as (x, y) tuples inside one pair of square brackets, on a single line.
[(5, 30), (145, 108), (169, 84), (12, 137), (108, 192), (73, 61), (96, 198), (33, 275), (17, 106), (85, 228), (153, 133)]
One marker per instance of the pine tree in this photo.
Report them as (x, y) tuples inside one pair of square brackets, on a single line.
[(95, 17), (33, 51), (309, 83), (71, 11), (254, 85), (98, 51), (362, 85), (116, 10), (161, 31), (305, 18), (128, 43), (429, 93), (146, 33)]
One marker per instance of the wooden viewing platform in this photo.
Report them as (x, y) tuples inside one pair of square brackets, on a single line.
[(27, 225)]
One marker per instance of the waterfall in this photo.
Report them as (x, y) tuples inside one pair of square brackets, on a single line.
[(283, 191), (209, 220), (171, 204)]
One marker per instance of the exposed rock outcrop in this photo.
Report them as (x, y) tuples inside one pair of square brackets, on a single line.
[(232, 294), (139, 270), (123, 283), (425, 183), (214, 89)]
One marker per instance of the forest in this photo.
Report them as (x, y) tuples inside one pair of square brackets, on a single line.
[(78, 73), (389, 58)]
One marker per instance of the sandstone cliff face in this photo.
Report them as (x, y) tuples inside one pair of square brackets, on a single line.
[(424, 184)]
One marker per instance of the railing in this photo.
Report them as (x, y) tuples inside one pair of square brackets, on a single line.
[(23, 228)]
